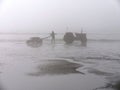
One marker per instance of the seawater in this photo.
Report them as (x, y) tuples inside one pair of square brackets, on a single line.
[(58, 66)]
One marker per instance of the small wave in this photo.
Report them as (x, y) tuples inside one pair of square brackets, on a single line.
[(98, 72), (102, 58), (92, 58)]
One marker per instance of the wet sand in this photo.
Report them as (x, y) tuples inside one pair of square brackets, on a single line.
[(45, 68)]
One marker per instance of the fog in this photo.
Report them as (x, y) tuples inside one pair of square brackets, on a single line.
[(38, 16)]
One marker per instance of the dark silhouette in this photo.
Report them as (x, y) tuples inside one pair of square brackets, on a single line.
[(35, 42), (81, 37), (53, 37), (69, 37)]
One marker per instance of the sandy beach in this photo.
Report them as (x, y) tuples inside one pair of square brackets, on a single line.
[(59, 66)]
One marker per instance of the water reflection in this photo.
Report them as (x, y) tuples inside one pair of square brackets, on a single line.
[(75, 44), (56, 67)]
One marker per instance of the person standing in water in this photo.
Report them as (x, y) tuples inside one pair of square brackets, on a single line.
[(53, 37)]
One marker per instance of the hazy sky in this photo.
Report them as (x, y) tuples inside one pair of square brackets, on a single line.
[(101, 16)]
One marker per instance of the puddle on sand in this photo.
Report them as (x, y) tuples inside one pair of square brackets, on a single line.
[(56, 67)]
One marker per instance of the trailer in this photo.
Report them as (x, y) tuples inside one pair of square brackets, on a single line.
[(70, 37)]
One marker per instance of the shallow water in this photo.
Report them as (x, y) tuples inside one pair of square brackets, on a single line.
[(59, 66)]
